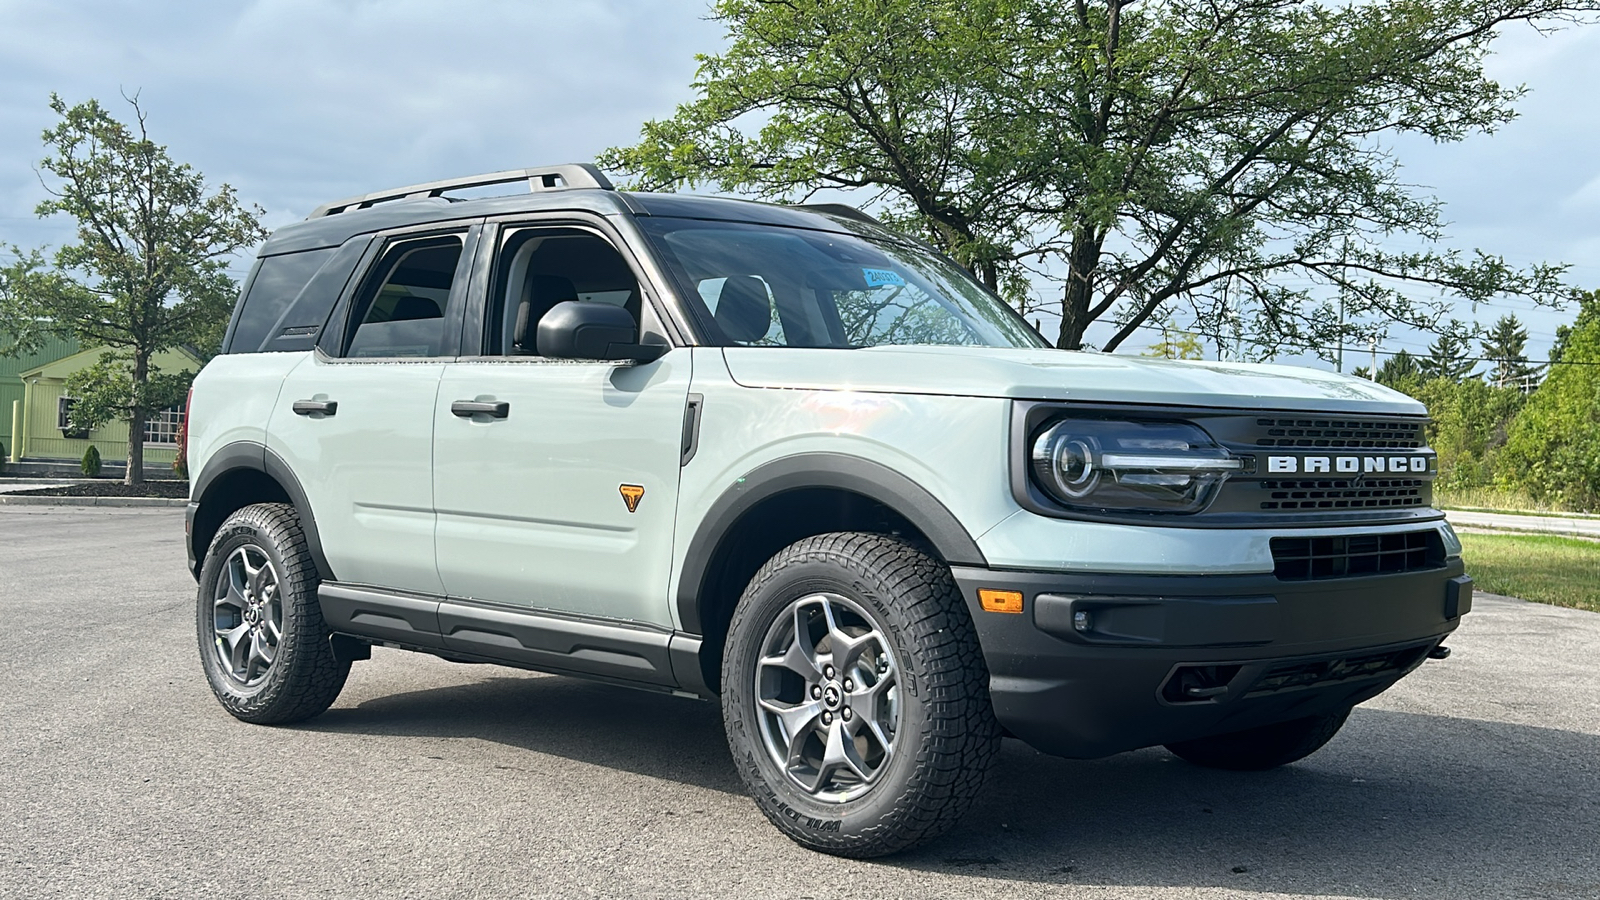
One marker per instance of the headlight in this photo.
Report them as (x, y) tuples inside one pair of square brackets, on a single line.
[(1100, 464)]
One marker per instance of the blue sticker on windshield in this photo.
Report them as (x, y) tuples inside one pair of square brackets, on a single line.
[(881, 277)]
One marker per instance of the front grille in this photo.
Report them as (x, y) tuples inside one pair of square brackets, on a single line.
[(1385, 493), (1330, 671), (1338, 433), (1350, 556)]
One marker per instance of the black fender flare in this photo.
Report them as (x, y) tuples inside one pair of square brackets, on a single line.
[(254, 456), (854, 474)]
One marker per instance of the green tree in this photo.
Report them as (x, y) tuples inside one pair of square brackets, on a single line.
[(1142, 154), (1176, 343), (146, 274), (1448, 356), (1503, 346), (1400, 371), (1469, 423), (1553, 448)]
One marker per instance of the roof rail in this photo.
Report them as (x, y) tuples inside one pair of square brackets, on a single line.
[(544, 178)]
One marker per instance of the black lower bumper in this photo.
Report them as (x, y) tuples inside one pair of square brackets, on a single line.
[(1098, 664)]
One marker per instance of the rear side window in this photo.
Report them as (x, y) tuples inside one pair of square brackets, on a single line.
[(277, 282), (401, 310)]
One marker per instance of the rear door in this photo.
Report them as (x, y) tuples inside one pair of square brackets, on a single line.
[(561, 496), (354, 421)]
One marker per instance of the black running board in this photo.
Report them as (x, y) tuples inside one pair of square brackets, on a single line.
[(623, 652)]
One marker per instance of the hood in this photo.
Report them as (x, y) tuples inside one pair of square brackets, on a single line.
[(1062, 375)]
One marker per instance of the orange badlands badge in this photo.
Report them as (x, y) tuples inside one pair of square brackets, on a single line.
[(631, 494)]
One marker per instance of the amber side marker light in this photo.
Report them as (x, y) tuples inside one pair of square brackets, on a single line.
[(1000, 601)]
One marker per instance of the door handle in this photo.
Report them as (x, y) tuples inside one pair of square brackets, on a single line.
[(307, 407), (494, 409)]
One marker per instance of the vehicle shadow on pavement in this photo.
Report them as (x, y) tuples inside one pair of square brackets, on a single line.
[(1397, 805), (658, 735)]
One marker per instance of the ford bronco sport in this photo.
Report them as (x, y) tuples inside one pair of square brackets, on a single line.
[(785, 457)]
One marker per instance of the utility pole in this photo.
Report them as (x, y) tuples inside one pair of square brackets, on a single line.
[(1372, 373), (1344, 253)]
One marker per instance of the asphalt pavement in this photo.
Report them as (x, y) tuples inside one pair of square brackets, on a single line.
[(120, 776)]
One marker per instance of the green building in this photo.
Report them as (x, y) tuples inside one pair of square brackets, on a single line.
[(34, 405)]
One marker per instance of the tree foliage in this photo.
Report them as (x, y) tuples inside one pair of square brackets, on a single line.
[(1553, 448), (1505, 347), (1400, 370), (1142, 154), (147, 272), (1449, 356)]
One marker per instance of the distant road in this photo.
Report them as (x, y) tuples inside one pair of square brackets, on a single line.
[(1589, 528)]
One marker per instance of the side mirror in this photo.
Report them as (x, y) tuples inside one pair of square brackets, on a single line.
[(574, 330)]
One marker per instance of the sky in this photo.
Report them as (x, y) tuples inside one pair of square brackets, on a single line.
[(296, 103)]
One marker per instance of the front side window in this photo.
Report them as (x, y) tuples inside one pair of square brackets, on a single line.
[(401, 309), (764, 285), (537, 268)]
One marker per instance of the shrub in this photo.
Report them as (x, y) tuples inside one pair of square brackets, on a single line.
[(91, 462)]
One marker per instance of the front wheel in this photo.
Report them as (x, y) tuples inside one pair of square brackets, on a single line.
[(855, 695), (1267, 747), (263, 643)]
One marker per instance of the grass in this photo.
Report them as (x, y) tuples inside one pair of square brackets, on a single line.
[(1491, 499), (1543, 568)]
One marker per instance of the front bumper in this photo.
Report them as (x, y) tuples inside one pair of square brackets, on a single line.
[(1098, 664)]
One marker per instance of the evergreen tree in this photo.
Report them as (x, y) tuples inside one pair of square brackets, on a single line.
[(1504, 347), (1399, 370), (1447, 356)]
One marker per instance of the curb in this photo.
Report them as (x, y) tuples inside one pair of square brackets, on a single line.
[(14, 500)]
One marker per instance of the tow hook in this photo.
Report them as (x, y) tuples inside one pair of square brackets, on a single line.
[(1439, 652)]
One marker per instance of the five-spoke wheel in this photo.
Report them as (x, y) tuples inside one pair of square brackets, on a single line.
[(826, 685), (247, 615)]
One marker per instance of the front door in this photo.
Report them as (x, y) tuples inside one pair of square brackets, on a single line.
[(556, 481)]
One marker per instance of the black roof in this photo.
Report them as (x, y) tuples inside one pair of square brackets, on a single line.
[(335, 223)]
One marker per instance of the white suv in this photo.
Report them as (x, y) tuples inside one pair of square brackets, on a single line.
[(784, 456)]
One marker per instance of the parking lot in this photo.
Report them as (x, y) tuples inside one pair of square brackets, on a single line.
[(1478, 776)]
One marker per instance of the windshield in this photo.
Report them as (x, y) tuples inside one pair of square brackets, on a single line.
[(766, 286)]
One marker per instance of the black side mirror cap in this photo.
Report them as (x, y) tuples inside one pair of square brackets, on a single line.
[(576, 330)]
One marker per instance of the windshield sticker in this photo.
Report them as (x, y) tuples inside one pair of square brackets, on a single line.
[(881, 277)]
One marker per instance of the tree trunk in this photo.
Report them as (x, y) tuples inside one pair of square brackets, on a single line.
[(1079, 291), (136, 417)]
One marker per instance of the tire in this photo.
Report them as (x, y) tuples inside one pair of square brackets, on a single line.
[(263, 643), (912, 675), (1259, 749)]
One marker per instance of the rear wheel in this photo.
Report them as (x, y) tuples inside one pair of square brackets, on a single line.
[(1262, 748), (263, 643), (855, 696)]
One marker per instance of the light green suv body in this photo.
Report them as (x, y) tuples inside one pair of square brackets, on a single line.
[(468, 479)]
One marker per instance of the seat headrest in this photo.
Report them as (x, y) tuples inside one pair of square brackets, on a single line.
[(539, 294), (743, 311)]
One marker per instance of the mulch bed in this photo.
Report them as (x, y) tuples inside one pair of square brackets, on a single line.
[(172, 490)]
